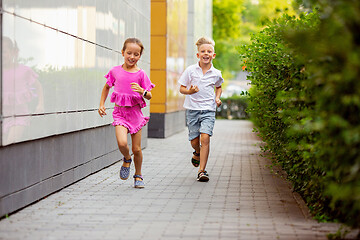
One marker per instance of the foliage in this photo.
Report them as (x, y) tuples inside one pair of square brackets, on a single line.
[(233, 107), (226, 18), (305, 102), (234, 21), (68, 82), (333, 53), (262, 12), (226, 33), (340, 234)]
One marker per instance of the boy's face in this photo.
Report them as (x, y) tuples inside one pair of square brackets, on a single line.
[(206, 53)]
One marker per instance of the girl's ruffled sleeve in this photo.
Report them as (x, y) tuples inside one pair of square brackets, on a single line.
[(110, 79), (32, 76), (146, 83)]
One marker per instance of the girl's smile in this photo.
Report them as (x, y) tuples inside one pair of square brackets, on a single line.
[(131, 55)]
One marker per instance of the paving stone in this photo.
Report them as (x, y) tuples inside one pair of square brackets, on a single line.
[(244, 199)]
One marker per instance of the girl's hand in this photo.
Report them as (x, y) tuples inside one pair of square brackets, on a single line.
[(39, 108), (102, 111), (136, 88), (193, 89), (218, 102)]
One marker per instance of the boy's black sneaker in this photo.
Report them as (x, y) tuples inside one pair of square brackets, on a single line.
[(203, 176)]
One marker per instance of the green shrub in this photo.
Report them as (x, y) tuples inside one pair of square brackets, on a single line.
[(305, 102), (234, 107)]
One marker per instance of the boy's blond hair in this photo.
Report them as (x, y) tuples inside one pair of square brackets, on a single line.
[(204, 40)]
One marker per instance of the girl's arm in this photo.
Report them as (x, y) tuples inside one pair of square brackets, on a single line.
[(148, 95), (104, 95), (40, 93), (191, 90), (218, 92), (136, 88)]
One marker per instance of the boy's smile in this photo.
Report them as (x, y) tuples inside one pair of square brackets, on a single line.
[(206, 53)]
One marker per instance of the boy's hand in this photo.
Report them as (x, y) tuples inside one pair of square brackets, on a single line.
[(193, 89), (102, 111), (218, 102)]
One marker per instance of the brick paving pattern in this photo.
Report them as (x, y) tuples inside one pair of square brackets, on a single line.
[(244, 199)]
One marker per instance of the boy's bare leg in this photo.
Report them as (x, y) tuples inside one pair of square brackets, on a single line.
[(204, 150), (195, 144)]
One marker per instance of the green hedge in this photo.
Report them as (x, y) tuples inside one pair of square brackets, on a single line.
[(305, 103), (234, 107)]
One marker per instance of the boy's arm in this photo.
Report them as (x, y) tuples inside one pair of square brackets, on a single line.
[(104, 95), (218, 92), (191, 90)]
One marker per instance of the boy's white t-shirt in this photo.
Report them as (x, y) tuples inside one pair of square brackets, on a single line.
[(204, 99)]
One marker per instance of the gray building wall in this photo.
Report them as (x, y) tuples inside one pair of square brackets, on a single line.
[(54, 57), (164, 125)]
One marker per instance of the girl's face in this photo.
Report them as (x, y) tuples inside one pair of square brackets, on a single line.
[(8, 53), (206, 53), (131, 54)]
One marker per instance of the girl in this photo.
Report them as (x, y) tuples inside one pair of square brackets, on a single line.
[(22, 94), (131, 86)]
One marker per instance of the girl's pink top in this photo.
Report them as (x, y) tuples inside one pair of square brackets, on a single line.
[(18, 86), (123, 95)]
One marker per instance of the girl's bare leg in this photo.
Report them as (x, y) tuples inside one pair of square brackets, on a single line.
[(121, 137), (136, 149)]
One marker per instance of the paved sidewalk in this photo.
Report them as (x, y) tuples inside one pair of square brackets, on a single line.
[(242, 200)]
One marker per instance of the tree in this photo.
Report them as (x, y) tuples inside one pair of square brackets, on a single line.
[(233, 23), (226, 33)]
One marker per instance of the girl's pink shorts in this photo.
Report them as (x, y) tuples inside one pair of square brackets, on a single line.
[(129, 117)]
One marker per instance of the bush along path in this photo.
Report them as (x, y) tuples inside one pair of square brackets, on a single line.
[(305, 103)]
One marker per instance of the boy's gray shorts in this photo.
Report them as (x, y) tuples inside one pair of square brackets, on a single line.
[(200, 121)]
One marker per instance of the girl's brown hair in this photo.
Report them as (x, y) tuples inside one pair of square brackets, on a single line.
[(133, 40)]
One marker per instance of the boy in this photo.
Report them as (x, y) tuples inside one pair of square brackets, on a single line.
[(197, 83)]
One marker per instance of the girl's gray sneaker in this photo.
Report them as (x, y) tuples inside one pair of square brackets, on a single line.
[(138, 183), (125, 171)]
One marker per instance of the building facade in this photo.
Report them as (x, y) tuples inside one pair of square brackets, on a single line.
[(54, 58), (175, 27)]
